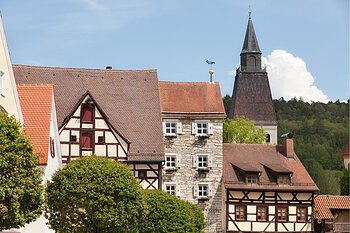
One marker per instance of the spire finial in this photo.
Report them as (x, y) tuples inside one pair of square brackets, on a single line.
[(211, 71), (250, 12)]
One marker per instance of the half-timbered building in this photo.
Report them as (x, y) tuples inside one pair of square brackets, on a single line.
[(109, 113), (192, 115), (267, 189)]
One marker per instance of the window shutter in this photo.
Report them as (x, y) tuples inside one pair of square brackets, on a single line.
[(195, 161), (194, 128), (210, 161), (164, 131), (210, 190), (179, 127), (178, 161), (210, 128), (195, 190)]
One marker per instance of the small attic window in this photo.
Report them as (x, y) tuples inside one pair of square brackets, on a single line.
[(283, 180), (268, 138), (252, 179), (87, 113)]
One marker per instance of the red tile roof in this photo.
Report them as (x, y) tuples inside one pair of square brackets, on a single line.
[(191, 99), (36, 104), (263, 157), (129, 98), (325, 203)]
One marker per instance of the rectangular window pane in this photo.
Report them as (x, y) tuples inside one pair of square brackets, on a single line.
[(86, 140), (170, 127)]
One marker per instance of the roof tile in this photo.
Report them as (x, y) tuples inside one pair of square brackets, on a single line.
[(324, 204)]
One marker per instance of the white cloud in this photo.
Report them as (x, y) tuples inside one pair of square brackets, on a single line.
[(290, 78)]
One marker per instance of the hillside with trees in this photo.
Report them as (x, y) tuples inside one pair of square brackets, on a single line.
[(320, 131)]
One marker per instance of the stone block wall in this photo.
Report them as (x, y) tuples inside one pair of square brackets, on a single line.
[(186, 176)]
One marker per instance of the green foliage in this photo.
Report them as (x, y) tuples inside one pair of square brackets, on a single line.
[(20, 177), (242, 130), (320, 130), (227, 103), (2, 111), (344, 183), (94, 194), (167, 213)]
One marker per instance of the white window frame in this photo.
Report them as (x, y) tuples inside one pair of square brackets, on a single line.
[(171, 184), (177, 127), (199, 189), (2, 88), (176, 158), (195, 128), (197, 162)]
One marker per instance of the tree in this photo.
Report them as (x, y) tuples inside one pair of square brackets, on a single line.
[(167, 213), (242, 130), (344, 183), (20, 177), (94, 194)]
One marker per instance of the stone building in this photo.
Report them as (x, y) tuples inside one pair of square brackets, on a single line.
[(192, 115), (251, 95)]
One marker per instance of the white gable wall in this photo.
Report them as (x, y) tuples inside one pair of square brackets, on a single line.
[(8, 95)]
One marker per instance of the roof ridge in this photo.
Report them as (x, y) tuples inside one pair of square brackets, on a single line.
[(36, 84), (185, 82), (81, 68)]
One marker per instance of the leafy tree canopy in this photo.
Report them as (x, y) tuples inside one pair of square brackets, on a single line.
[(167, 213), (344, 183), (242, 130), (94, 194), (20, 177)]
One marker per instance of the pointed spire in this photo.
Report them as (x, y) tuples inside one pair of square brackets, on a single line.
[(250, 41)]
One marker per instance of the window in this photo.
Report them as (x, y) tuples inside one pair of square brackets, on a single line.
[(170, 162), (203, 191), (100, 139), (261, 213), (2, 82), (252, 179), (283, 180), (282, 214), (170, 188), (86, 140), (202, 128), (241, 212), (73, 138), (52, 147), (301, 214), (142, 174), (170, 128), (202, 162), (87, 113), (268, 138)]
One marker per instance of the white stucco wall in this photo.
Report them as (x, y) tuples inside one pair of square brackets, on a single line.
[(9, 96)]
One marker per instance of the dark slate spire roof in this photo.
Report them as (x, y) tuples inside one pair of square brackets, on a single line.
[(250, 42)]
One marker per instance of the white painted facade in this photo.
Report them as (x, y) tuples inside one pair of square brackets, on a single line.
[(188, 179), (272, 131), (272, 200), (8, 91)]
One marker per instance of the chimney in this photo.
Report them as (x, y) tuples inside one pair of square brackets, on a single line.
[(288, 145), (108, 67)]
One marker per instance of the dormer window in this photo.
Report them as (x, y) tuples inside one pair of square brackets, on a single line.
[(252, 179), (283, 180), (87, 113)]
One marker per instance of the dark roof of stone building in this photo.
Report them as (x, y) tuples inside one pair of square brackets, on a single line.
[(252, 98), (250, 42), (129, 98), (268, 161), (191, 99)]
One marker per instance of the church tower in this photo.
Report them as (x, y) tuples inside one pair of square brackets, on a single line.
[(251, 95)]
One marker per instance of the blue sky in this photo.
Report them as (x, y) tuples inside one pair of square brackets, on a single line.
[(305, 42)]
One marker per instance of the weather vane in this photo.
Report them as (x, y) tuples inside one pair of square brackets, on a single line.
[(211, 71)]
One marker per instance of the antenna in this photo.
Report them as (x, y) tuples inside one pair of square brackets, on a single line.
[(211, 71)]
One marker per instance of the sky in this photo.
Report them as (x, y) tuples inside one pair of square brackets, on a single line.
[(304, 43)]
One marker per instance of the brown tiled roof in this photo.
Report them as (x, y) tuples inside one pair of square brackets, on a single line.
[(325, 203), (36, 104), (191, 99), (252, 98), (260, 156), (129, 98)]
